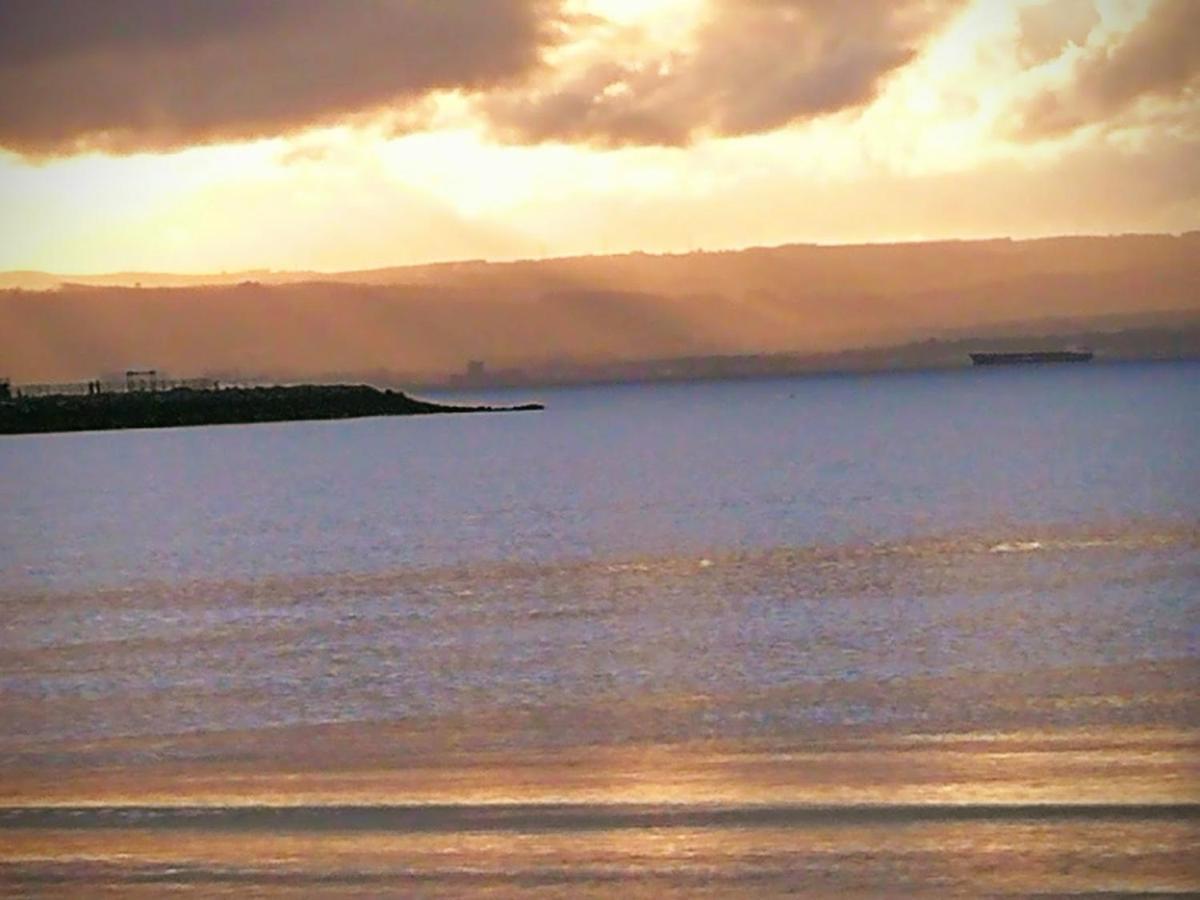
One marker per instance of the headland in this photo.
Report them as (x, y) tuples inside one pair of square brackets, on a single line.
[(185, 406)]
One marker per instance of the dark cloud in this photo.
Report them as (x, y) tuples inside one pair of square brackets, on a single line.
[(1159, 58), (126, 75), (756, 65)]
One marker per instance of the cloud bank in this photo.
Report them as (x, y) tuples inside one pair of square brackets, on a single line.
[(1159, 59), (125, 76), (129, 75), (754, 66)]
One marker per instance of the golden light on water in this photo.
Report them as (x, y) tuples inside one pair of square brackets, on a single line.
[(1088, 766)]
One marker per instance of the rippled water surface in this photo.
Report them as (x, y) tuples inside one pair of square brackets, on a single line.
[(976, 590)]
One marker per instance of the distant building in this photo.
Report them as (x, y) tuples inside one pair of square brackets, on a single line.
[(475, 370)]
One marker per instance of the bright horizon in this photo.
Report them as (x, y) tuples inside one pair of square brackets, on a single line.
[(529, 129), (566, 257)]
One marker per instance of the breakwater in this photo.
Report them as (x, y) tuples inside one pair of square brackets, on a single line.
[(184, 406)]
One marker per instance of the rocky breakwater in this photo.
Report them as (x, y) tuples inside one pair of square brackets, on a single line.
[(226, 406)]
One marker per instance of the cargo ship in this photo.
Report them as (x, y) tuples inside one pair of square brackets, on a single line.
[(1031, 356)]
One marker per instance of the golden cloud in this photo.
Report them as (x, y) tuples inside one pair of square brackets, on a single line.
[(754, 66), (1158, 60)]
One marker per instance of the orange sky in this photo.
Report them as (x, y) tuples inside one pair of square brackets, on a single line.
[(208, 135)]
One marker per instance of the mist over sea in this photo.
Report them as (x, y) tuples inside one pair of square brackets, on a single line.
[(910, 633)]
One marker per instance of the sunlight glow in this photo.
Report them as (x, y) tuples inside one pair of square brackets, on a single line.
[(453, 191)]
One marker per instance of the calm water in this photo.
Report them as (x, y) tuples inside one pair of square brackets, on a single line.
[(766, 604)]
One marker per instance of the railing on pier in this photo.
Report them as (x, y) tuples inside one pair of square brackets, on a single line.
[(100, 386)]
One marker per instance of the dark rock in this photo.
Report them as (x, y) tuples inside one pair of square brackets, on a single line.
[(184, 406)]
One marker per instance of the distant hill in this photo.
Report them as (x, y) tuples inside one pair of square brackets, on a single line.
[(421, 323)]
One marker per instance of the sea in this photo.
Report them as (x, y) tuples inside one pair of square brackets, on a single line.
[(902, 634)]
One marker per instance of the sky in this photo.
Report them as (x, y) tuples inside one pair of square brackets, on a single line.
[(221, 135)]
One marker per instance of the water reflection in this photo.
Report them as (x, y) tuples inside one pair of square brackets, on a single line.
[(812, 859)]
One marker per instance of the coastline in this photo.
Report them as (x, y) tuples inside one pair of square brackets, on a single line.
[(186, 407)]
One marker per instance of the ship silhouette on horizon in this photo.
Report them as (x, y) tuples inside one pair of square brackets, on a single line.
[(986, 358)]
